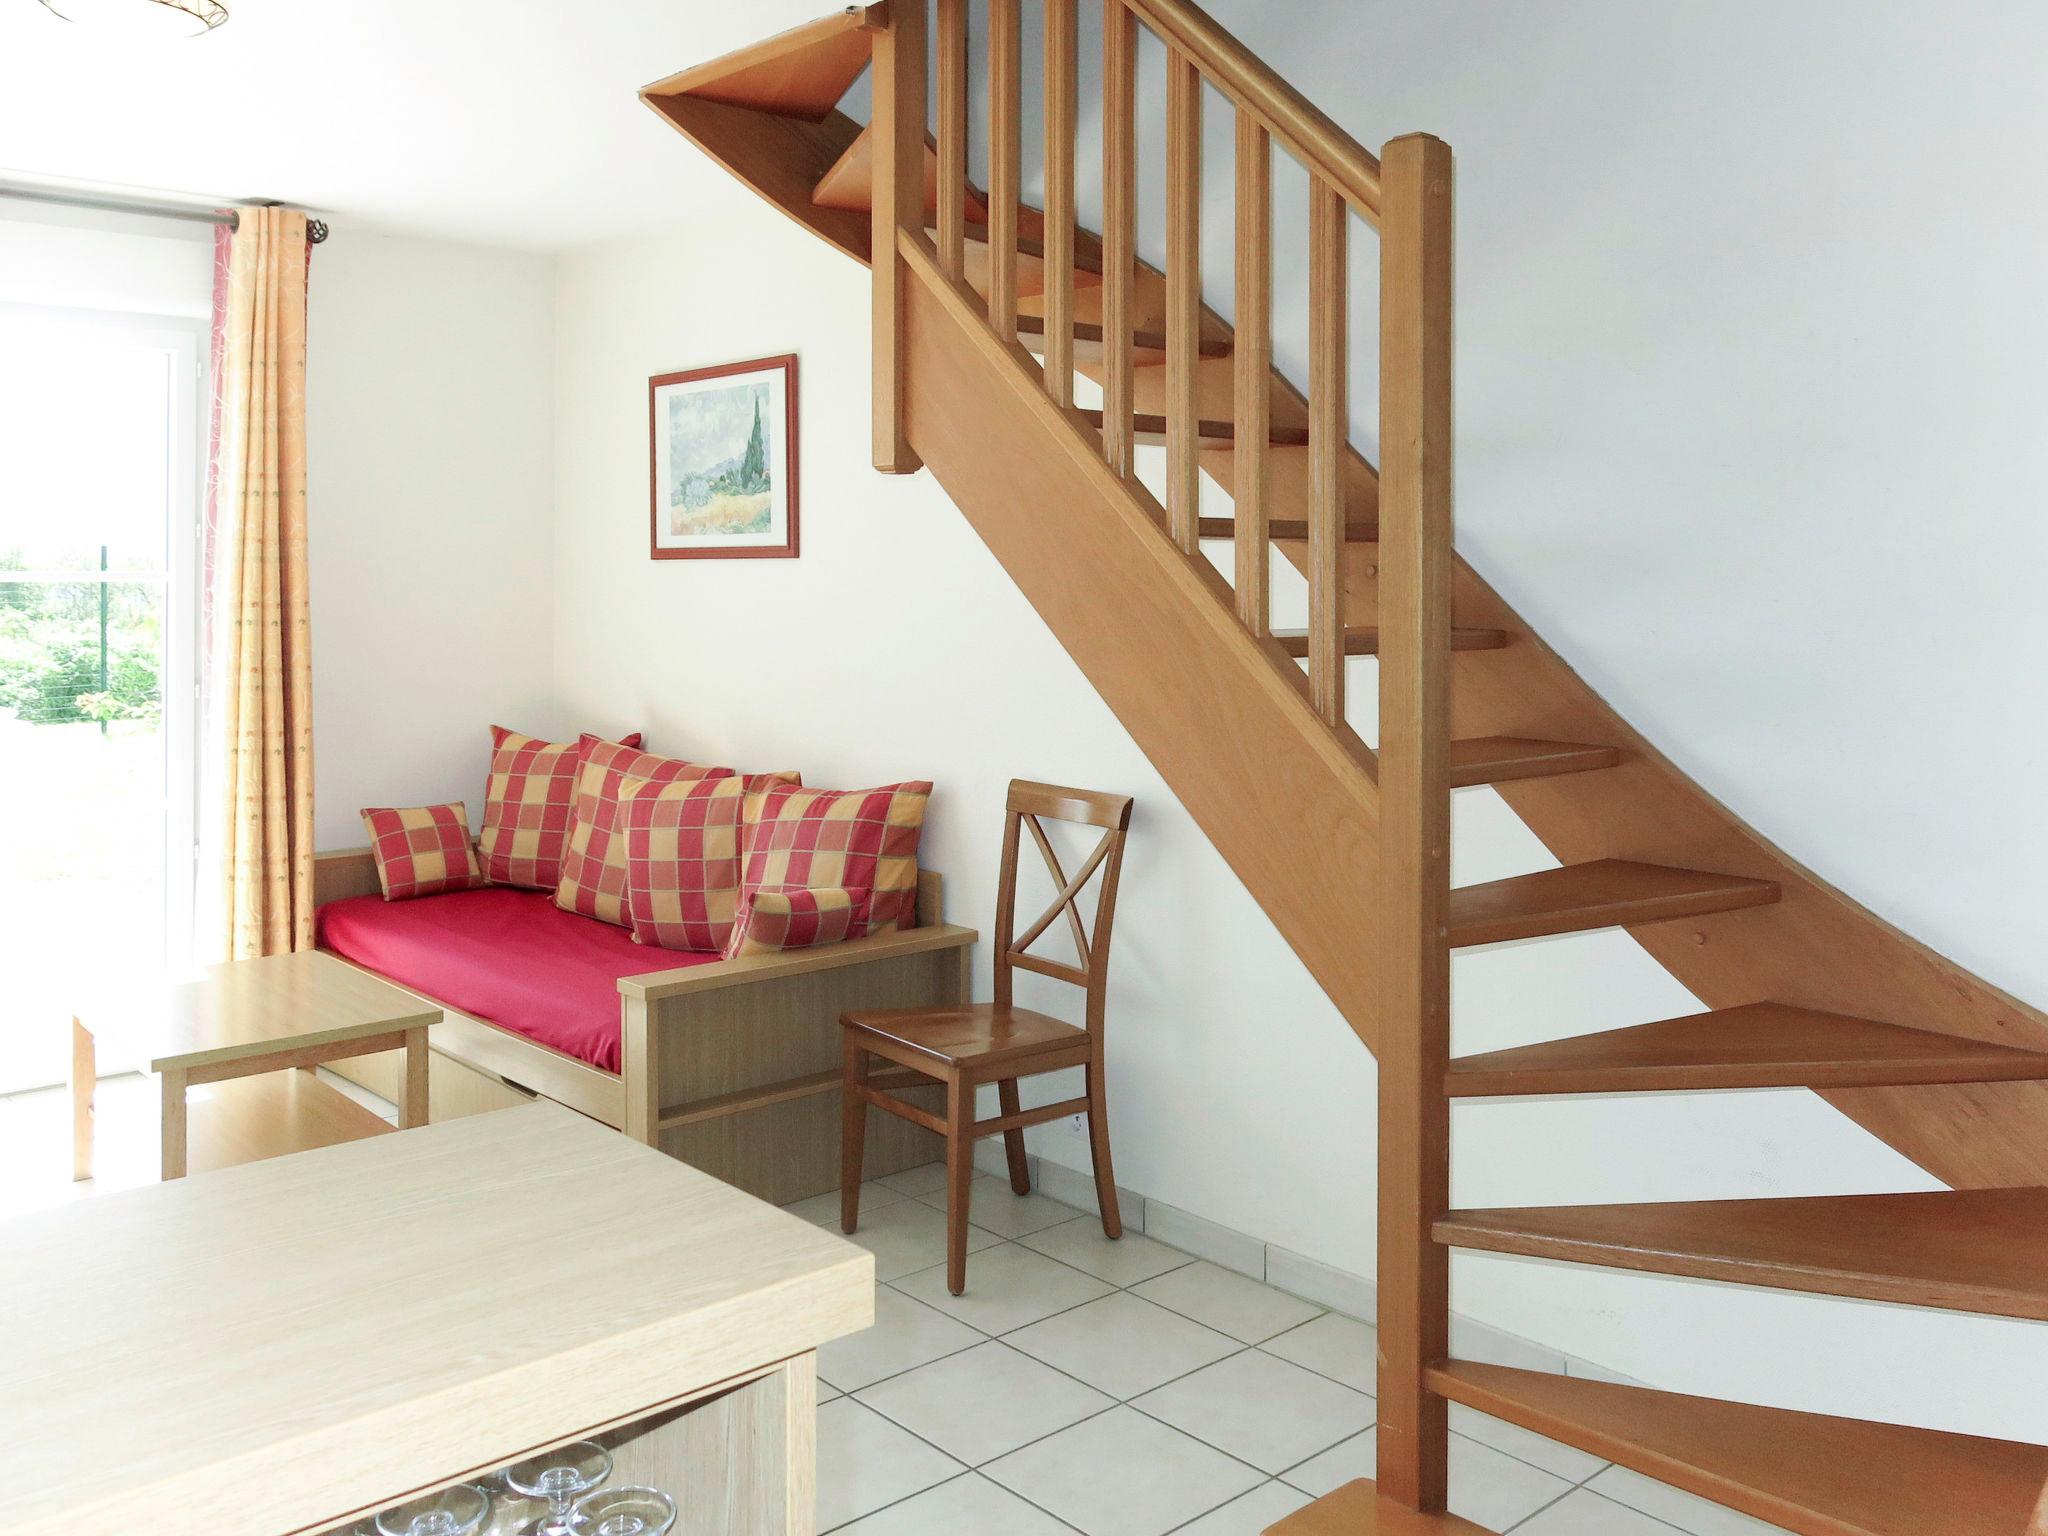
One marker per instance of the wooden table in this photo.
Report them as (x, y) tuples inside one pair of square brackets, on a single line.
[(241, 1018), (284, 1346)]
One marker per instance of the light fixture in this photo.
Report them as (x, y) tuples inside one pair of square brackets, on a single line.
[(152, 18)]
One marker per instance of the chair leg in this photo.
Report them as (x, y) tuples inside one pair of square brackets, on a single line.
[(853, 1132), (959, 1178), (1013, 1141), (1098, 1145)]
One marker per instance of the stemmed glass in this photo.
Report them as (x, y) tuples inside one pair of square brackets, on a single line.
[(624, 1512), (456, 1511), (559, 1476)]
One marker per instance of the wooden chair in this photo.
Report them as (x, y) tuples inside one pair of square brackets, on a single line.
[(966, 1046)]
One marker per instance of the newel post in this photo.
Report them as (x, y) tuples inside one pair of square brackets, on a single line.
[(898, 203), (1415, 812)]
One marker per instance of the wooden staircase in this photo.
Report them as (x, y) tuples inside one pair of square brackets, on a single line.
[(986, 313)]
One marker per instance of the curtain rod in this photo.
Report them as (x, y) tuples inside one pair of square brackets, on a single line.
[(316, 229)]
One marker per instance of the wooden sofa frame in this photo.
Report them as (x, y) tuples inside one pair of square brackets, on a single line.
[(733, 1067)]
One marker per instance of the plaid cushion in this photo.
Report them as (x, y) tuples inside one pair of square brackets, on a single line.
[(772, 921), (422, 850), (682, 860), (594, 863), (526, 808), (860, 840)]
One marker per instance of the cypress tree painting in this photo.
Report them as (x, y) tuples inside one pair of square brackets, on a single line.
[(722, 478)]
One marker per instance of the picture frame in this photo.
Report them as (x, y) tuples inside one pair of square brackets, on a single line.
[(722, 461)]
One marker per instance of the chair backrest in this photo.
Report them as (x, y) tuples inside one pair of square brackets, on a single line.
[(1030, 805)]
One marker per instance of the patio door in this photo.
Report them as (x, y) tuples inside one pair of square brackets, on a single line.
[(100, 450)]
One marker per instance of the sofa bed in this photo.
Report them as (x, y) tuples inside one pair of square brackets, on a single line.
[(730, 1064)]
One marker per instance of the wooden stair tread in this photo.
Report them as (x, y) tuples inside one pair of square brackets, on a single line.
[(1364, 640), (1151, 430), (1088, 341), (847, 184), (1605, 893), (1967, 1250), (1356, 1510), (1497, 759), (801, 73), (1758, 1045), (1808, 1472), (1030, 261), (1357, 530)]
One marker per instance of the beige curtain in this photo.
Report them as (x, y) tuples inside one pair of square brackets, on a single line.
[(261, 659)]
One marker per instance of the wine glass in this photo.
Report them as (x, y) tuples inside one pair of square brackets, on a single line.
[(456, 1511), (559, 1476), (624, 1511)]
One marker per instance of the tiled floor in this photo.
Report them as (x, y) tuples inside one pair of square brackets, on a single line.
[(1114, 1389), (1129, 1389)]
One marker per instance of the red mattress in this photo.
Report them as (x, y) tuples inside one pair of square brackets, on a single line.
[(512, 957)]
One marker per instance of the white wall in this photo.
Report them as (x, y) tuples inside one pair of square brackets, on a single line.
[(90, 259), (1724, 368), (431, 480)]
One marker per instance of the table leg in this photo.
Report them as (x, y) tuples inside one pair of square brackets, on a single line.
[(173, 1124), (84, 1076), (751, 1456), (413, 1111)]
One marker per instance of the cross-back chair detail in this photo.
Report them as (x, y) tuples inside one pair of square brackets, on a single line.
[(1027, 804), (997, 1042)]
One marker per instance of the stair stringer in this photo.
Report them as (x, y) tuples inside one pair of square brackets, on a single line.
[(1286, 801)]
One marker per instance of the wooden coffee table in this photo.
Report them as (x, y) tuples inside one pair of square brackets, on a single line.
[(242, 1018)]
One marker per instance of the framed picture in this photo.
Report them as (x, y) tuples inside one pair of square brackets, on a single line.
[(722, 461)]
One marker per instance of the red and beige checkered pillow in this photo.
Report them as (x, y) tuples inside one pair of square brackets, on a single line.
[(772, 921), (858, 840), (526, 808), (422, 850), (683, 856), (594, 863)]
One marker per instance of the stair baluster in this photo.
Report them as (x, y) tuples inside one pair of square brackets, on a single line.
[(1005, 114), (1251, 490), (1329, 429), (1183, 298), (1061, 112), (952, 190), (1119, 228)]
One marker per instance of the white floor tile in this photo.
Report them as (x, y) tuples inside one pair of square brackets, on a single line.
[(1124, 1345), (1587, 1514), (1565, 1461), (967, 1506), (906, 1334), (993, 1205), (1341, 1348), (1121, 1261), (1261, 1410), (1122, 1474), (1249, 1515), (906, 1237), (1674, 1506), (1007, 1287), (1228, 1302), (823, 1210), (985, 1402), (1487, 1487), (916, 1181), (865, 1462)]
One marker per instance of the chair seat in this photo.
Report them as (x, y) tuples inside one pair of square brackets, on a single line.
[(972, 1033)]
